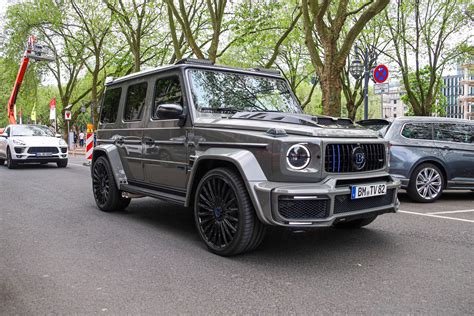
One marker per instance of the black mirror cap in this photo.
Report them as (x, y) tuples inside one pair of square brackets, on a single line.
[(170, 111)]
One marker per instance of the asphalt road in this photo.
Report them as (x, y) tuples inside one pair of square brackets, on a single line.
[(60, 255)]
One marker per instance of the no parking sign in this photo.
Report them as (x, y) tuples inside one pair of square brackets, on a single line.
[(380, 73)]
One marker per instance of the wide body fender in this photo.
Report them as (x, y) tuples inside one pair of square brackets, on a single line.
[(111, 152)]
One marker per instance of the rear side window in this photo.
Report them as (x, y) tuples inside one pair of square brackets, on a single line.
[(418, 131), (458, 133), (167, 91), (135, 104), (110, 105)]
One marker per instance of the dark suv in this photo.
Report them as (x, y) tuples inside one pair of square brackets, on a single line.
[(235, 146), (431, 154)]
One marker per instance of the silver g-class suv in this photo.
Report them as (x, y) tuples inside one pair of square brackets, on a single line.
[(234, 145)]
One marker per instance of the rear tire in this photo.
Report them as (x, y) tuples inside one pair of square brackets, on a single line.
[(62, 163), (107, 197), (224, 214), (357, 223), (426, 183), (11, 164)]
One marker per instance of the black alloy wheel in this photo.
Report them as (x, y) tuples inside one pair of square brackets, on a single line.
[(10, 163), (224, 214), (107, 197)]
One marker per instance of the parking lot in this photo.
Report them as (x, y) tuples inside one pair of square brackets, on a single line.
[(61, 255)]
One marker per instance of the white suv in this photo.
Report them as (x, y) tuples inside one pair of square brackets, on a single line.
[(31, 144)]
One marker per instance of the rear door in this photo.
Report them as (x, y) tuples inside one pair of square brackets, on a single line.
[(456, 143), (129, 135), (165, 151)]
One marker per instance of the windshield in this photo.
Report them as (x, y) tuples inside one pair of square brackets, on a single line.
[(227, 92), (31, 130)]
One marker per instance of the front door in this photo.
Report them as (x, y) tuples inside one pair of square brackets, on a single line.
[(164, 141), (456, 142)]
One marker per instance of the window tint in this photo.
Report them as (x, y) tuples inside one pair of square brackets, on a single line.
[(418, 131), (7, 131), (135, 104), (167, 91), (459, 133), (110, 105)]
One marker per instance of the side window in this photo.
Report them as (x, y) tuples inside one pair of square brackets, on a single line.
[(134, 106), (110, 105), (418, 131), (7, 131), (167, 91), (458, 133)]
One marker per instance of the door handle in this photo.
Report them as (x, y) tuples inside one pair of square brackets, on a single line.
[(148, 141), (446, 148)]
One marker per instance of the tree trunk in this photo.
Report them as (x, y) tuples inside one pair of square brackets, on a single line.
[(331, 87)]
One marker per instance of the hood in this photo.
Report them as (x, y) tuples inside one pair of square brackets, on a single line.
[(38, 140), (296, 124)]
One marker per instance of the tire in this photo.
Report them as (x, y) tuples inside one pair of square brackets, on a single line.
[(107, 197), (2, 162), (357, 223), (62, 163), (11, 164), (426, 183), (224, 214)]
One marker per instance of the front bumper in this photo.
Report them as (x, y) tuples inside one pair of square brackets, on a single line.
[(321, 204), (38, 154)]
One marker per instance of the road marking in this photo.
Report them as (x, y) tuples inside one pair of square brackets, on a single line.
[(450, 212), (438, 216)]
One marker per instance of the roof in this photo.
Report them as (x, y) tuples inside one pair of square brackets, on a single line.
[(195, 63)]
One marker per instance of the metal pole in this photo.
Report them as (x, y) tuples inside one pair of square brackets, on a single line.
[(366, 84)]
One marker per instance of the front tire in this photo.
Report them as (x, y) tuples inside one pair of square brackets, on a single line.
[(426, 183), (11, 164), (2, 162), (62, 163), (357, 223), (107, 197), (224, 214)]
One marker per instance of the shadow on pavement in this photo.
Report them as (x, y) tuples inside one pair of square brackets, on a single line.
[(320, 244)]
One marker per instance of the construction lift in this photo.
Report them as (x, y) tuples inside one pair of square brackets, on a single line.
[(35, 52)]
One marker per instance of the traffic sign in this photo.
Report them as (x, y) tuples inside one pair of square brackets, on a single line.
[(67, 115), (381, 88), (380, 73)]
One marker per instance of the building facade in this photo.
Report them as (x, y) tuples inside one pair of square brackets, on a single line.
[(457, 89)]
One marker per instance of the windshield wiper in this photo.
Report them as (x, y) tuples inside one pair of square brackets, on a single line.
[(230, 110)]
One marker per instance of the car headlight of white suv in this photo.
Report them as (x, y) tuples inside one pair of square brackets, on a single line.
[(18, 142), (62, 143)]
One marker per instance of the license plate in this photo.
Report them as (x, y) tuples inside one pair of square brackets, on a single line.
[(363, 191), (43, 154)]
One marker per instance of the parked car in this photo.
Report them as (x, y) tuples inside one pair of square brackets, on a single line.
[(20, 144), (235, 146), (429, 155)]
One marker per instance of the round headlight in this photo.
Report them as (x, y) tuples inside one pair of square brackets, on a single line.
[(298, 157)]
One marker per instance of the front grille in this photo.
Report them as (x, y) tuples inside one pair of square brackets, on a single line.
[(34, 150), (339, 158), (290, 208), (344, 204)]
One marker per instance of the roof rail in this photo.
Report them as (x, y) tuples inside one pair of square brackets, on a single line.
[(194, 61), (267, 70)]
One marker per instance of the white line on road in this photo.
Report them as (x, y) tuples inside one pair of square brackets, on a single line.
[(438, 216), (450, 212)]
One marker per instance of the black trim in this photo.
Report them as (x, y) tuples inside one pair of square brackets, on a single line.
[(159, 188), (232, 145)]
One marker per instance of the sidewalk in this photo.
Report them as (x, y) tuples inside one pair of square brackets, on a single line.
[(78, 151)]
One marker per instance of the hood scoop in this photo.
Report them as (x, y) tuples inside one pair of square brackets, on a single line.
[(292, 118)]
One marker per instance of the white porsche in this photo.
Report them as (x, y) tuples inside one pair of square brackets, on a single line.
[(21, 144)]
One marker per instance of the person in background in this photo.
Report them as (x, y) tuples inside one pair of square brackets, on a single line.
[(81, 139)]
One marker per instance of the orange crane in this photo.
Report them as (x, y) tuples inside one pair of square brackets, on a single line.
[(33, 51)]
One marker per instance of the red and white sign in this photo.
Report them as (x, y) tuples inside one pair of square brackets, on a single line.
[(52, 109), (89, 145), (380, 73), (67, 115)]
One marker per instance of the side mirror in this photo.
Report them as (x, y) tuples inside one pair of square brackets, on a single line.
[(169, 111), (4, 135), (57, 135)]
